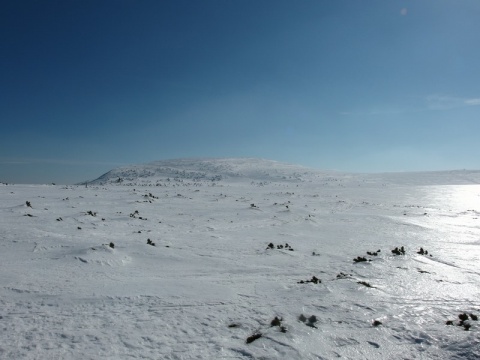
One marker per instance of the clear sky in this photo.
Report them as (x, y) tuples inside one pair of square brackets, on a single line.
[(349, 85)]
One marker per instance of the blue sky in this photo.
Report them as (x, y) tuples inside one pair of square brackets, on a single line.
[(350, 85)]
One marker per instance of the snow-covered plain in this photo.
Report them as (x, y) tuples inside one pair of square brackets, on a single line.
[(211, 281)]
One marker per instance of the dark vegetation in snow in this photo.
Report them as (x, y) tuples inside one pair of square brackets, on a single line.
[(279, 247), (399, 251), (360, 259), (313, 280)]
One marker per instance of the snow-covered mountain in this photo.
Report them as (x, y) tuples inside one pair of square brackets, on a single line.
[(228, 170), (231, 170), (201, 170)]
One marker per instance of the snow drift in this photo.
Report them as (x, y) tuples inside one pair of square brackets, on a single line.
[(241, 259)]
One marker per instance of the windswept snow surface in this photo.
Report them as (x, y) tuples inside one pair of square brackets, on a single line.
[(211, 281)]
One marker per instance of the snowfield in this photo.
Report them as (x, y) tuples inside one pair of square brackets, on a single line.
[(241, 259)]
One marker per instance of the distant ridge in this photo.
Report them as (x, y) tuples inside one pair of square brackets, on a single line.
[(246, 170), (206, 170)]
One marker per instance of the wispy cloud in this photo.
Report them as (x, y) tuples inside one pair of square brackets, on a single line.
[(445, 102), (14, 162), (472, 102), (26, 161), (431, 102), (383, 110)]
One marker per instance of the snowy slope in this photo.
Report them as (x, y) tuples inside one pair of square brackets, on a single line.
[(212, 281), (201, 170), (190, 171)]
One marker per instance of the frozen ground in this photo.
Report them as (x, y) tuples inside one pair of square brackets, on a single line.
[(211, 281)]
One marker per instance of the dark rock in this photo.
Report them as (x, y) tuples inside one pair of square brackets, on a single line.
[(365, 284), (112, 245), (422, 252), (253, 337), (398, 251), (313, 280), (377, 323), (276, 322), (422, 271)]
